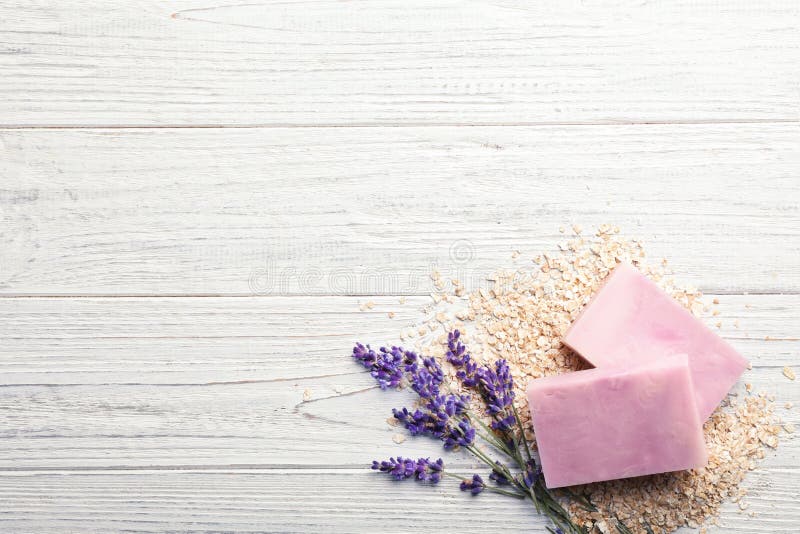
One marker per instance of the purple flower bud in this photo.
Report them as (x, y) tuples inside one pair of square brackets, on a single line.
[(399, 469), (402, 468), (409, 359), (532, 473), (496, 386), (416, 423), (365, 355), (498, 475), (469, 374), (461, 435), (435, 370), (474, 486), (387, 366), (505, 424), (440, 416), (424, 383), (456, 351), (428, 471), (387, 369)]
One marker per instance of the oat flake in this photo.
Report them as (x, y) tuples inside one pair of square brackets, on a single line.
[(788, 372)]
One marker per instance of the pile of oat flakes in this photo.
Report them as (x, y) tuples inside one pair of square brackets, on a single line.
[(523, 317)]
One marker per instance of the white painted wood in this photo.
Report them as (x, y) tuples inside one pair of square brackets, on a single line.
[(124, 382), (370, 210), (196, 62), (305, 500), (151, 392), (199, 341)]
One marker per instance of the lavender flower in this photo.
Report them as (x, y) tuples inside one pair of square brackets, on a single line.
[(401, 468), (416, 423), (532, 473), (458, 356), (425, 380), (498, 387), (495, 385), (461, 435), (388, 369), (498, 474), (387, 366), (441, 416), (430, 471), (456, 352), (365, 355), (409, 358), (474, 486)]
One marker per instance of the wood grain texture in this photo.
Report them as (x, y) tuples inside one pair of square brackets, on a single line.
[(388, 62), (247, 381), (371, 210), (304, 500), (195, 199), (188, 415)]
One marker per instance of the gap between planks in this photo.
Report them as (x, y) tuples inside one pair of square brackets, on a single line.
[(245, 468), (720, 292), (421, 124), (294, 468)]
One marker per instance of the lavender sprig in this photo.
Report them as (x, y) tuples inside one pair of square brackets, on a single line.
[(401, 468), (425, 470), (387, 366), (442, 416), (496, 386), (447, 417), (498, 392)]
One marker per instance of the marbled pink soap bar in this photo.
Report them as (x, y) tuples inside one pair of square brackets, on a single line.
[(631, 320), (610, 423)]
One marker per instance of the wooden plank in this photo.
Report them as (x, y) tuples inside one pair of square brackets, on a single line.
[(264, 424), (386, 62), (198, 341), (306, 500), (371, 210), (264, 382)]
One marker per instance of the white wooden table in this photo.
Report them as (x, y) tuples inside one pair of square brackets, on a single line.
[(196, 197)]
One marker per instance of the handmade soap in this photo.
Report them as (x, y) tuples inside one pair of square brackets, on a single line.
[(630, 319), (616, 422)]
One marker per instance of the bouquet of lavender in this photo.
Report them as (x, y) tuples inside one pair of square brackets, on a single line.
[(449, 417)]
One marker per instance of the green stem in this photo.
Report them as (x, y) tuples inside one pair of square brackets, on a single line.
[(494, 466), (522, 465), (555, 511), (497, 445), (582, 500), (491, 463), (482, 456), (621, 528), (542, 498), (504, 492), (495, 441), (487, 488), (521, 431), (473, 417)]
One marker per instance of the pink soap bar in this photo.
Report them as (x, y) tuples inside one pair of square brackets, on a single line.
[(610, 423), (631, 319)]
